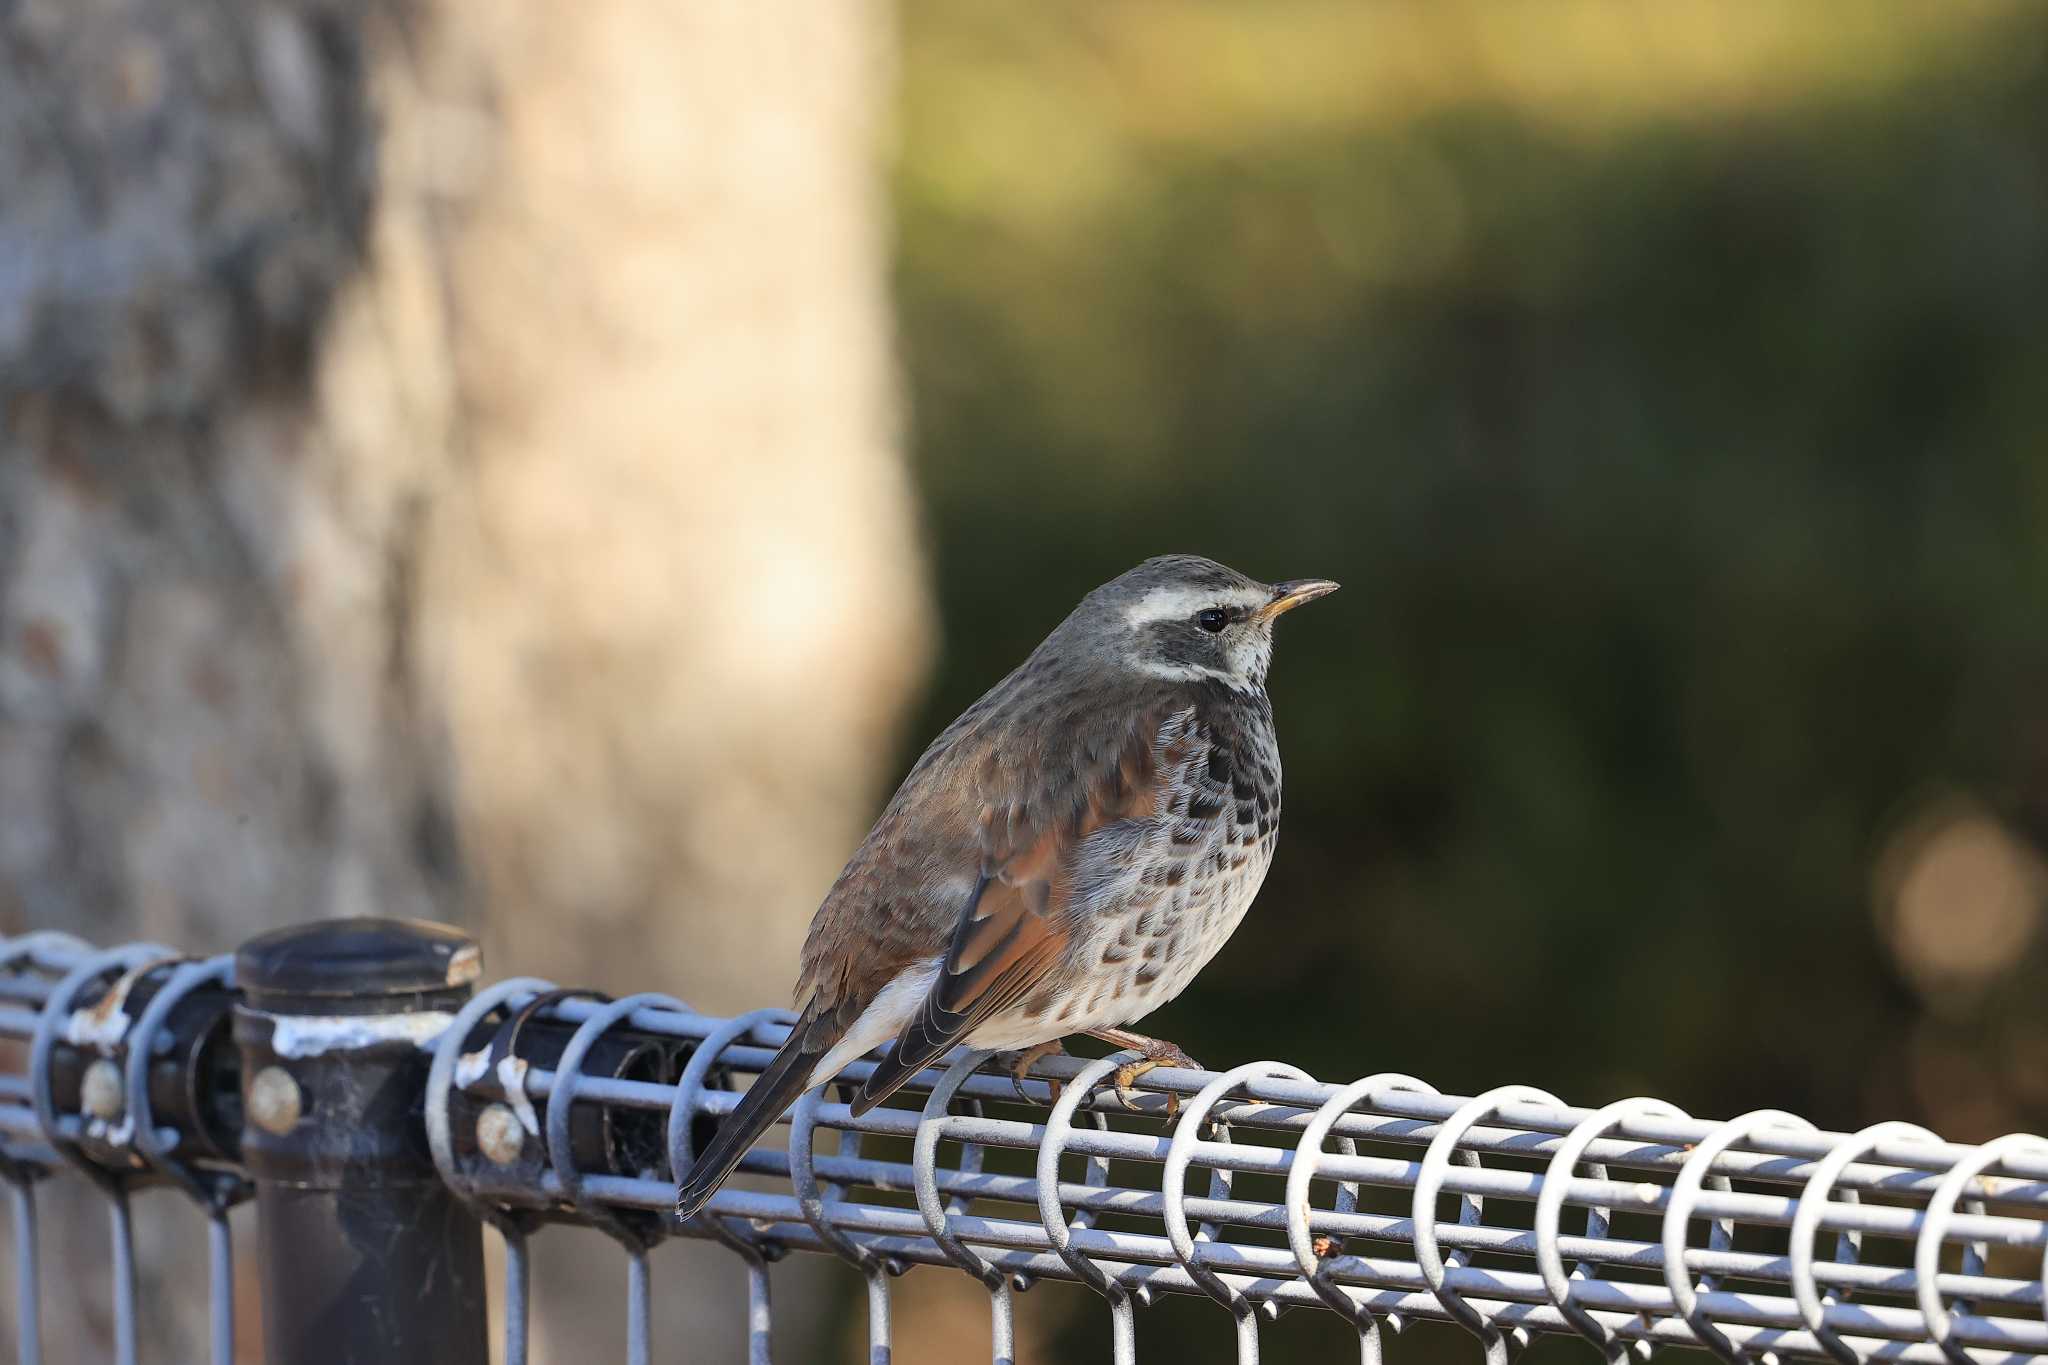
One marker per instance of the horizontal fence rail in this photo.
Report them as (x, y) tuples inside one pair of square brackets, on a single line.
[(1380, 1201)]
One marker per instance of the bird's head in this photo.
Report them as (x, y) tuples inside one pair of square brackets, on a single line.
[(1185, 618)]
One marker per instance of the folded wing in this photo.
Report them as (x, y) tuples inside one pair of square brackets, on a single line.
[(1044, 860)]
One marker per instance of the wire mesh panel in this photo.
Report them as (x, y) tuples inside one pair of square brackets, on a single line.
[(111, 1043), (1261, 1189)]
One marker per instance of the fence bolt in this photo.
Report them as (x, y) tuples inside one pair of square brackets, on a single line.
[(99, 1093), (498, 1134), (274, 1103), (367, 1256)]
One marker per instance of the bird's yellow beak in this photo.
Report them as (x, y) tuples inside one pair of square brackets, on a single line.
[(1291, 594)]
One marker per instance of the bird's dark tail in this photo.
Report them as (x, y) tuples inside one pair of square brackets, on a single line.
[(773, 1092)]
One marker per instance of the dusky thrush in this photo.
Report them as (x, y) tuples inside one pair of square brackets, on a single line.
[(1064, 857)]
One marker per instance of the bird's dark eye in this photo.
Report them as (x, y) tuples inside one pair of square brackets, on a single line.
[(1212, 619)]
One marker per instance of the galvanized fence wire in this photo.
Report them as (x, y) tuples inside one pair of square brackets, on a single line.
[(60, 991), (1380, 1201)]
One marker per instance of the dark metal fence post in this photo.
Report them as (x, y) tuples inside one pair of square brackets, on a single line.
[(368, 1259)]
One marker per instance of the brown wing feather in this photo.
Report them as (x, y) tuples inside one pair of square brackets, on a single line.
[(995, 959), (1015, 928)]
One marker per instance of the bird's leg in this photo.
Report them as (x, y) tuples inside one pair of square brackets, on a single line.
[(1157, 1053), (1030, 1057)]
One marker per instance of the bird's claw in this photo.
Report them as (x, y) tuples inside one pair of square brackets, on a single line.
[(1030, 1058), (1126, 1096), (1128, 1073)]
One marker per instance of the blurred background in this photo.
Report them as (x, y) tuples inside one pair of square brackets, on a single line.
[(550, 468)]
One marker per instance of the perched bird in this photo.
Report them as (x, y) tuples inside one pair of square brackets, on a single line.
[(1062, 860)]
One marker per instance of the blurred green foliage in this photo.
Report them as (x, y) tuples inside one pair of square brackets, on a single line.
[(1669, 388)]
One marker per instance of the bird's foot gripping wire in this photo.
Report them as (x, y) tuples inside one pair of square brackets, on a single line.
[(1157, 1052), (1020, 1063)]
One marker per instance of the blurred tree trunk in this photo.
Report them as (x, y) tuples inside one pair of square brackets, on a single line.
[(447, 467)]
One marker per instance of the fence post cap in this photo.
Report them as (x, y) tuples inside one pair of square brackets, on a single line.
[(358, 957)]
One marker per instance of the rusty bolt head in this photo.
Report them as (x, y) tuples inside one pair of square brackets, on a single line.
[(498, 1134), (101, 1094), (274, 1100)]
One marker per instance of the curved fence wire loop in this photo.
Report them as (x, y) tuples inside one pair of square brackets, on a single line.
[(1052, 1215), (1934, 1230), (1429, 1182), (214, 1191), (1301, 1173), (42, 948), (690, 1087), (448, 1058), (503, 1062), (1814, 1198), (46, 949), (56, 1014), (52, 1023), (513, 1225), (1187, 1136), (640, 1234), (934, 1124), (1550, 1205), (504, 1044), (754, 1252), (811, 1195), (1693, 1175)]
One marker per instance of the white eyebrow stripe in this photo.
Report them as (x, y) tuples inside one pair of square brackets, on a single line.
[(1172, 603)]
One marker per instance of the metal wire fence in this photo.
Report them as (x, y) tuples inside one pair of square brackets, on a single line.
[(349, 1078)]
